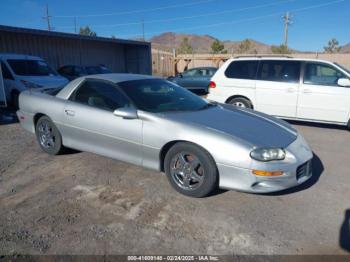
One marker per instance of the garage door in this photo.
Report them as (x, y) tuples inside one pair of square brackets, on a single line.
[(2, 91)]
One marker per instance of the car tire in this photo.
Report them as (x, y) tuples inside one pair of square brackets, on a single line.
[(15, 99), (48, 136), (191, 170), (240, 102), (348, 126)]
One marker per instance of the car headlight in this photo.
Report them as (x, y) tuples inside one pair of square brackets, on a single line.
[(268, 154)]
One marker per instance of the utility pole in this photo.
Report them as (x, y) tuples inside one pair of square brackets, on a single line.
[(47, 17), (75, 24), (143, 29), (287, 21)]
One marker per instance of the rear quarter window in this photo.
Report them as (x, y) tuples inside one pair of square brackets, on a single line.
[(242, 69)]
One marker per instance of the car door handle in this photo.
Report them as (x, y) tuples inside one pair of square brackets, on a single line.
[(307, 91), (290, 90), (69, 112)]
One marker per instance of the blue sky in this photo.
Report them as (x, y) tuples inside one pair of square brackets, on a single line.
[(314, 21)]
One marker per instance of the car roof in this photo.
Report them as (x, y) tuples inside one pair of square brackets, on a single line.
[(112, 77), (19, 56), (119, 77), (282, 58)]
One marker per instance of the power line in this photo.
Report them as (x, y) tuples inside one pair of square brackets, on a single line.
[(242, 20), (136, 11), (190, 17)]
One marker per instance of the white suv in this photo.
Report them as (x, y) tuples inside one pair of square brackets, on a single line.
[(290, 88), (22, 72)]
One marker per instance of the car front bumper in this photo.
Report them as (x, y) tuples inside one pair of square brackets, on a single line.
[(296, 168)]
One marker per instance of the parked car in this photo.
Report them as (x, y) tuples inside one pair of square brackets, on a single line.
[(290, 88), (100, 69), (159, 125), (22, 72), (74, 71), (196, 79)]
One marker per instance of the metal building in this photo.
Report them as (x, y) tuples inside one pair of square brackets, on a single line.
[(58, 49)]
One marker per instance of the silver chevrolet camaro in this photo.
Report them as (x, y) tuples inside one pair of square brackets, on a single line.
[(151, 122)]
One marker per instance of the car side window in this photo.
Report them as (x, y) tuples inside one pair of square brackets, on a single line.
[(100, 94), (211, 72), (189, 73), (321, 74), (242, 69), (279, 70), (6, 74), (201, 72)]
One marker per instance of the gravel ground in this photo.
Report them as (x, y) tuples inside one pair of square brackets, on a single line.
[(81, 203)]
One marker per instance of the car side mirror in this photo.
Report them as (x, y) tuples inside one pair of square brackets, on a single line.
[(180, 75), (344, 82), (126, 113)]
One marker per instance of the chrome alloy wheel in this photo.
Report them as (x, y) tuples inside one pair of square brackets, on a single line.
[(187, 171), (46, 135)]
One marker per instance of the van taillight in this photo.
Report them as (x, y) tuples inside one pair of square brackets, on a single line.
[(212, 84)]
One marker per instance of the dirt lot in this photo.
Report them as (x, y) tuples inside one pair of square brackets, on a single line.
[(81, 203)]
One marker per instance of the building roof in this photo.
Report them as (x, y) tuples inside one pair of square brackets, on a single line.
[(70, 35)]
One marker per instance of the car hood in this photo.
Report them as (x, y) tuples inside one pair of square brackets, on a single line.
[(46, 81), (257, 129)]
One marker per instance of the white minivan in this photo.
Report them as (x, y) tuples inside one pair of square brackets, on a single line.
[(21, 72), (291, 88)]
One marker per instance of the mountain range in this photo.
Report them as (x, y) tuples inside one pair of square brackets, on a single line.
[(202, 44)]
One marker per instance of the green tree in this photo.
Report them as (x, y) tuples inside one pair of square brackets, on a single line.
[(282, 49), (185, 47), (218, 47), (113, 37), (333, 46), (245, 46), (87, 31)]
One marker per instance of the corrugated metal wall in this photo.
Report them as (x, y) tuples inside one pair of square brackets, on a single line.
[(59, 51)]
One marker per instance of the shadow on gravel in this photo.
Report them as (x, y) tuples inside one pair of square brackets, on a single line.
[(8, 116), (319, 125), (344, 235), (70, 151), (317, 170)]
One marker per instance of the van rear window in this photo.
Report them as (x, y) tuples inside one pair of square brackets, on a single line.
[(242, 69), (25, 67)]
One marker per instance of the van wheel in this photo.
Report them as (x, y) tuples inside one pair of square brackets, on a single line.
[(240, 102)]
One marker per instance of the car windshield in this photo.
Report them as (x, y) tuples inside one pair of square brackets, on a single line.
[(157, 95), (25, 67)]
